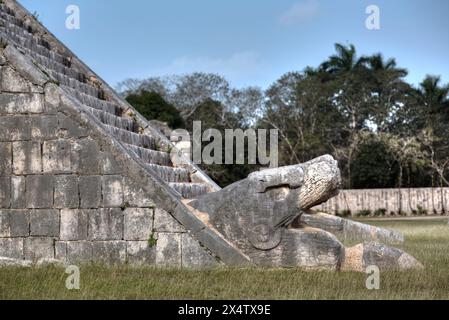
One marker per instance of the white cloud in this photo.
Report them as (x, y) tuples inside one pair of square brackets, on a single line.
[(300, 12), (240, 67)]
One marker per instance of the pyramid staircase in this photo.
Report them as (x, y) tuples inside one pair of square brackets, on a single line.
[(117, 116)]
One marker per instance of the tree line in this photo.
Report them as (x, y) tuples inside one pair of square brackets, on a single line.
[(385, 132)]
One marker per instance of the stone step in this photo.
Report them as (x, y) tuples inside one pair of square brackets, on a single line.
[(95, 103), (152, 156), (58, 66), (190, 190), (114, 121), (171, 174), (139, 140)]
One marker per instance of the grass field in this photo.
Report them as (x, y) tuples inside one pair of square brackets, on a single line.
[(427, 240)]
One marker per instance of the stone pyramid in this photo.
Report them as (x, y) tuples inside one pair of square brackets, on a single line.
[(83, 175)]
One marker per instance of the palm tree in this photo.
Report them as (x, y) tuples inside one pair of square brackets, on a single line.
[(344, 61), (432, 94), (377, 62)]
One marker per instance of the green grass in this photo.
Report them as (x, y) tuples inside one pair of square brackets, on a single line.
[(427, 240)]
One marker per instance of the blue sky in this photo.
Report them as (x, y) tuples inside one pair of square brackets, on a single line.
[(250, 42)]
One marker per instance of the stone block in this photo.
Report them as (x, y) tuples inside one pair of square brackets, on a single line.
[(110, 252), (164, 222), (79, 251), (39, 248), (168, 249), (66, 192), (135, 196), (89, 156), (5, 158), (74, 224), (109, 164), (138, 223), (106, 224), (194, 255), (15, 128), (90, 192), (11, 248), (52, 98), (61, 250), (11, 81), (140, 253), (44, 127), (39, 192), (5, 192), (59, 156), (112, 191), (18, 200), (27, 157), (69, 128), (13, 103), (44, 223), (14, 223)]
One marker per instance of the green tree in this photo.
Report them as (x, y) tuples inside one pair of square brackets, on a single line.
[(153, 107)]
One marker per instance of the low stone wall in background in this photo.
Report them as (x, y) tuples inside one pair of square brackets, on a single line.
[(388, 201)]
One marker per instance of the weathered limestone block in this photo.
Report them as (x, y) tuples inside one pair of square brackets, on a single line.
[(44, 223), (74, 224), (90, 192), (74, 251), (5, 158), (138, 223), (66, 192), (59, 156), (134, 196), (18, 199), (109, 164), (11, 248), (44, 127), (15, 128), (39, 192), (11, 81), (164, 222), (140, 253), (112, 191), (27, 157), (110, 252), (89, 156), (308, 248), (254, 214), (168, 249), (19, 263), (106, 224), (194, 255), (52, 98), (351, 230), (45, 262), (38, 248), (14, 223), (359, 257), (14, 103), (5, 192), (25, 66), (67, 128)]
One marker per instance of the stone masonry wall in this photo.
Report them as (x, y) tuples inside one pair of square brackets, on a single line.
[(409, 201), (64, 194)]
